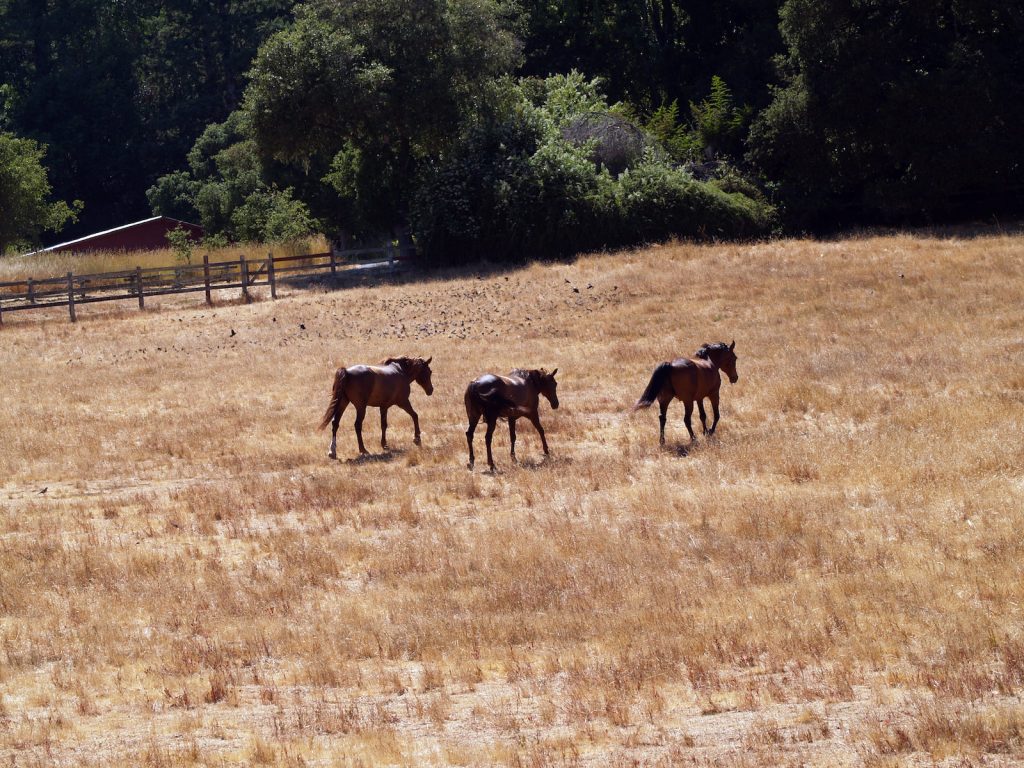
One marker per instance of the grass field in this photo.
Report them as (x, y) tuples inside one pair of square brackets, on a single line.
[(836, 578)]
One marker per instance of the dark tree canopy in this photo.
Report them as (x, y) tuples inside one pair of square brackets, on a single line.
[(896, 109), (120, 91)]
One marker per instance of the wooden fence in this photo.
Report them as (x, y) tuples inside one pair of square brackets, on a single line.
[(139, 284)]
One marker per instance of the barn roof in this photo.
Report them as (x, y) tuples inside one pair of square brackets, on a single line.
[(123, 227)]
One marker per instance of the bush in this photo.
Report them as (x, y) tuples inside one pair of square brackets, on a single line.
[(272, 216), (515, 188), (655, 202)]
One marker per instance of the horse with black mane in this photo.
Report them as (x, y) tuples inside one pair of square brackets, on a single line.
[(379, 386), (691, 379), (513, 397)]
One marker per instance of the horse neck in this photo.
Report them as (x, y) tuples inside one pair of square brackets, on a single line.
[(712, 358), (532, 386)]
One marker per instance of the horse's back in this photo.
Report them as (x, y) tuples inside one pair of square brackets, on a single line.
[(487, 381), (375, 385), (694, 378), (485, 397)]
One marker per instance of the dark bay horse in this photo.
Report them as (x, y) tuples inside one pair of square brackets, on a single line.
[(691, 379), (514, 396), (379, 386)]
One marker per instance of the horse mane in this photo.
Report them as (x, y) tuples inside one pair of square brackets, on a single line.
[(529, 374), (704, 353), (405, 363)]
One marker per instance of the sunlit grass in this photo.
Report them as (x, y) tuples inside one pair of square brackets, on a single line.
[(836, 578)]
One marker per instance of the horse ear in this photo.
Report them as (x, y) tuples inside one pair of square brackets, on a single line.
[(431, 358), (553, 373), (733, 345)]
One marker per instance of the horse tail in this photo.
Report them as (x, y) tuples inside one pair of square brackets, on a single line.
[(336, 397), (657, 383)]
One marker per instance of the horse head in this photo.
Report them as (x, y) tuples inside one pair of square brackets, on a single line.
[(723, 356), (423, 375), (547, 386), (416, 368)]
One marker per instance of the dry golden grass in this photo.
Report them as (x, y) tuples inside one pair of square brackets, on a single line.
[(836, 578)]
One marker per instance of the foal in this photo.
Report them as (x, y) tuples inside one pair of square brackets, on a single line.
[(514, 396), (691, 379), (379, 386)]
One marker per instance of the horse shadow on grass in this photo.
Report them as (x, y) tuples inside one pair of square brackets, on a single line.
[(531, 465), (544, 462), (682, 450), (375, 458)]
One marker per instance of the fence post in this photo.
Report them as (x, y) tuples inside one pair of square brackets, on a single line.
[(31, 291), (334, 264), (138, 287), (71, 297), (244, 265), (270, 276), (206, 277), (390, 253), (1, 311)]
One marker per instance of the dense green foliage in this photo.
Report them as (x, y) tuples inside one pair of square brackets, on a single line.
[(230, 191), (25, 206), (272, 118), (374, 88), (514, 187)]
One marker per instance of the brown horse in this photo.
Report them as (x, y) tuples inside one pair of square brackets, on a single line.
[(689, 380), (514, 396), (379, 386)]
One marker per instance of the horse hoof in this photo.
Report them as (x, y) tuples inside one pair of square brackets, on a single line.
[(416, 441), (332, 455)]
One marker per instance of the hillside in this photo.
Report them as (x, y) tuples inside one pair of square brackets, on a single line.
[(835, 578)]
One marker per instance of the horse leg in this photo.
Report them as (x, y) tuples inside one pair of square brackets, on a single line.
[(384, 427), (687, 419), (473, 421), (333, 452), (714, 408), (703, 416), (663, 417), (512, 435), (535, 420), (360, 413), (491, 421), (407, 407)]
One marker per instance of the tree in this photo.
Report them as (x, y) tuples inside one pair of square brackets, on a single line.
[(119, 91), (654, 52), (525, 183), (896, 109), (231, 190), (373, 87), (25, 207)]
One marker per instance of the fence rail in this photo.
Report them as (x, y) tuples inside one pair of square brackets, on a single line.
[(141, 283)]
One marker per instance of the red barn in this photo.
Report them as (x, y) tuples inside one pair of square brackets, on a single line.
[(145, 235)]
